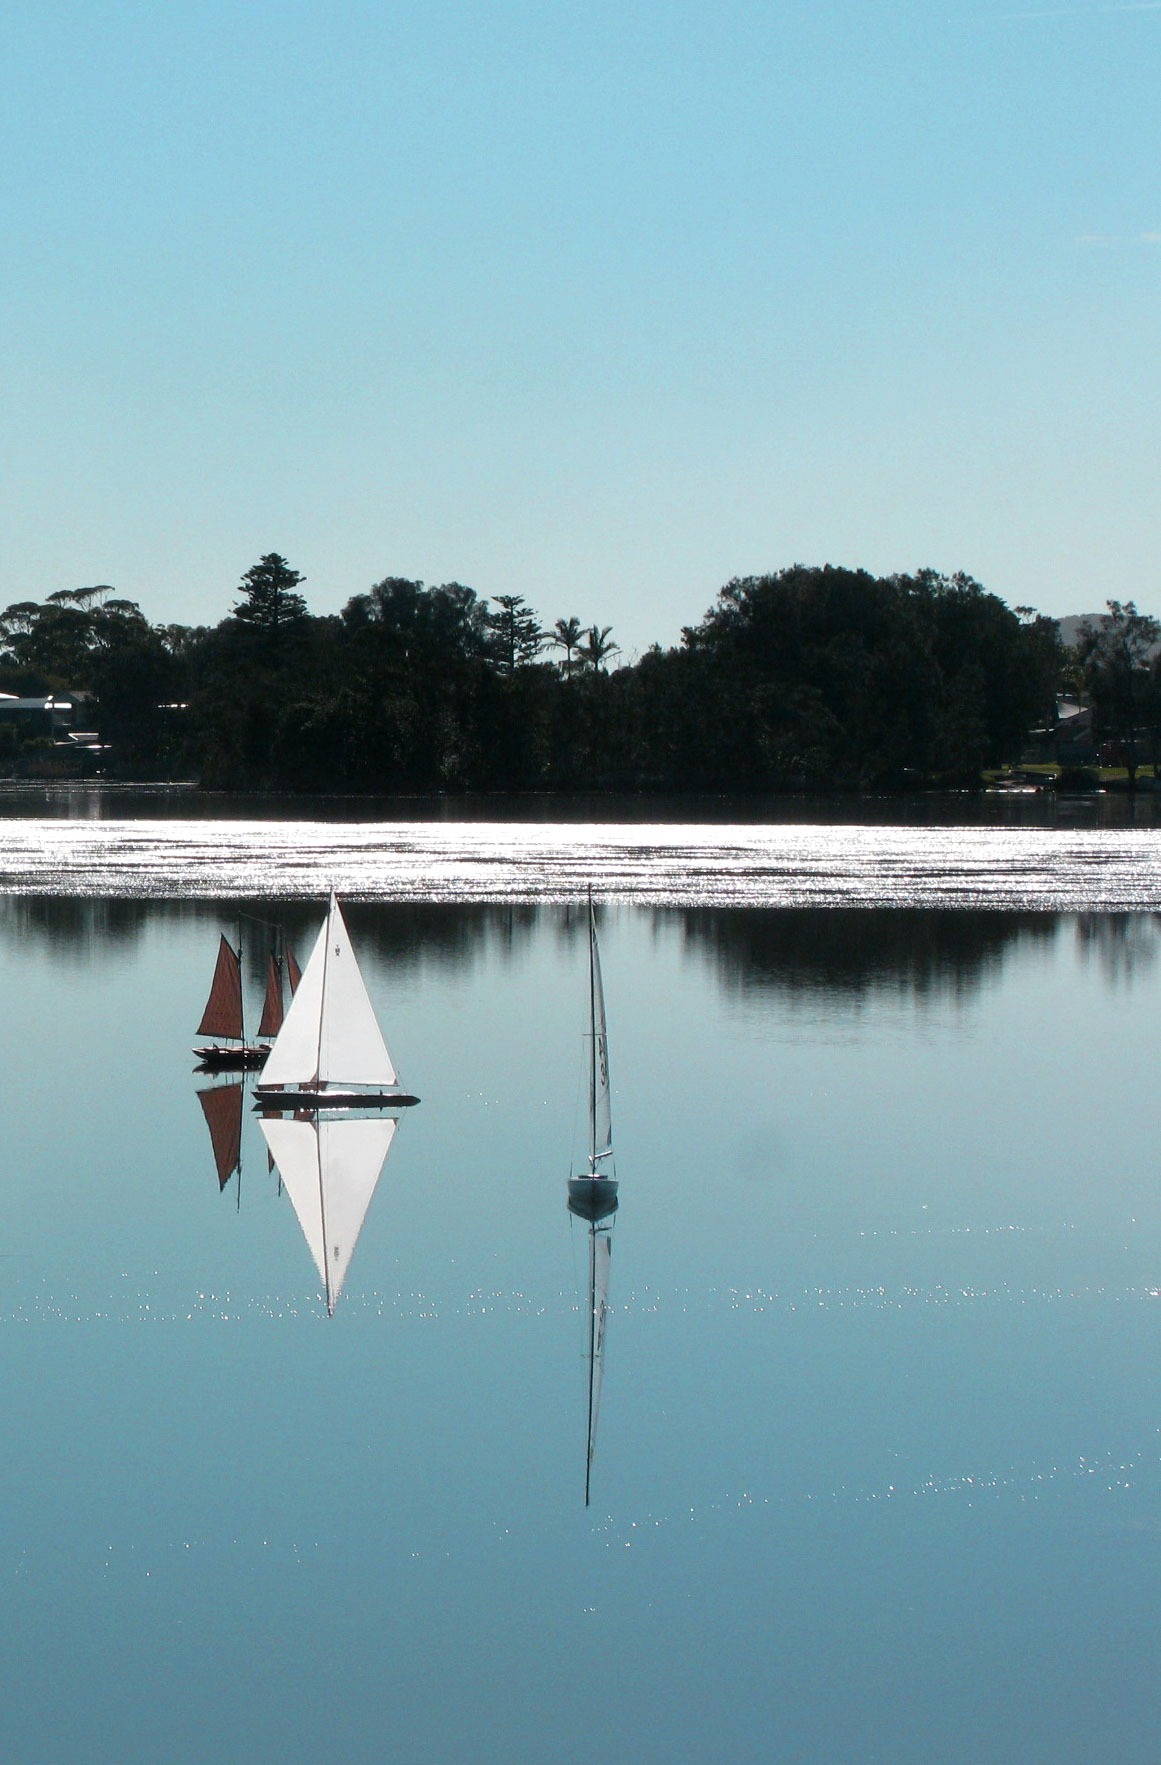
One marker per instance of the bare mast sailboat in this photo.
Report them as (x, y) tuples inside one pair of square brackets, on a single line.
[(592, 1196), (330, 1052)]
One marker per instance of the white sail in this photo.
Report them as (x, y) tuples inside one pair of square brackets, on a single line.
[(330, 1169), (600, 1260), (330, 1034), (293, 1060), (602, 1120), (351, 1046)]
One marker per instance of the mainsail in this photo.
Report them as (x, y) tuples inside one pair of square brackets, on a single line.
[(272, 1007), (601, 1118), (271, 1020), (223, 1013), (329, 1169), (222, 1108), (330, 1035)]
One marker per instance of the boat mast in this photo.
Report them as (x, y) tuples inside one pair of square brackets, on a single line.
[(592, 1353), (592, 1044), (322, 997), (241, 990)]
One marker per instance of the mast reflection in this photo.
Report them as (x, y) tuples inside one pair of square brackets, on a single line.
[(593, 1196)]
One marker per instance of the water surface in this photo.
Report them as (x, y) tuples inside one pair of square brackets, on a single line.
[(878, 1475)]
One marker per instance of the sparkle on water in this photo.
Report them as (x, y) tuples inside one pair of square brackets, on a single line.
[(661, 865)]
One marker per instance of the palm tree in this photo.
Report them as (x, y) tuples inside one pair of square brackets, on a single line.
[(566, 636), (599, 646)]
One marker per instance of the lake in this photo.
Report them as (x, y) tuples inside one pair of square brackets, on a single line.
[(878, 1469)]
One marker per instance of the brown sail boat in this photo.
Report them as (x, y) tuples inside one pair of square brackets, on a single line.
[(223, 1019)]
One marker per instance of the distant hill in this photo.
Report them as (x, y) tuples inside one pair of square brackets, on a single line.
[(1070, 628), (1071, 624)]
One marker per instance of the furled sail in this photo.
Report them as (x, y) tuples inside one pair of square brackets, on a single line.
[(222, 1108), (600, 1259), (330, 1035), (330, 1169), (272, 1004), (602, 1120), (223, 1013)]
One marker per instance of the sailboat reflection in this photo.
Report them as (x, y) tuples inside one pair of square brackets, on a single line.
[(329, 1167), (593, 1197), (222, 1108)]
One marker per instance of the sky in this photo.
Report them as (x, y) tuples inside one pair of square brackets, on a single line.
[(599, 304)]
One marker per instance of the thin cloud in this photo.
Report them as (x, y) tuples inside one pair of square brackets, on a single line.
[(1099, 239), (1081, 11)]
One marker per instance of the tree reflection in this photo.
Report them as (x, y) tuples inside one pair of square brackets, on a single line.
[(1124, 944), (860, 950)]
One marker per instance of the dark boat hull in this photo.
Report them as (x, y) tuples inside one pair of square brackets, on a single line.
[(220, 1059), (592, 1198), (275, 1100)]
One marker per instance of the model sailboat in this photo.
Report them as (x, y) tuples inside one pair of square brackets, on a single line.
[(593, 1195), (330, 1052), (223, 1018)]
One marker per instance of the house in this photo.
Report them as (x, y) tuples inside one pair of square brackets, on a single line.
[(51, 716)]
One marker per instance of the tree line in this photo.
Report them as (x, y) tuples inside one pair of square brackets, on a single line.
[(807, 678)]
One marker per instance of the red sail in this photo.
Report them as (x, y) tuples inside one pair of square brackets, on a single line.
[(222, 1108), (293, 972), (272, 1004), (223, 1013)]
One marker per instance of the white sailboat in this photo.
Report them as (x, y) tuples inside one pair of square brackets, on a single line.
[(592, 1196), (330, 1051), (329, 1168)]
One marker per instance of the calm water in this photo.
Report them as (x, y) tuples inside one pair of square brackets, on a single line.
[(878, 1475)]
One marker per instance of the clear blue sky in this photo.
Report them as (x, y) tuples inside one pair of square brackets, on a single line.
[(601, 304)]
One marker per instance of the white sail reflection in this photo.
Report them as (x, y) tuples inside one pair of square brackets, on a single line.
[(330, 1169)]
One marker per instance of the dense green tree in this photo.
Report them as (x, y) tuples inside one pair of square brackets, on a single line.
[(271, 604), (807, 678), (1117, 656), (417, 622), (516, 634)]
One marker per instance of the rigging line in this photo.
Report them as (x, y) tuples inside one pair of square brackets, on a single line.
[(274, 925)]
